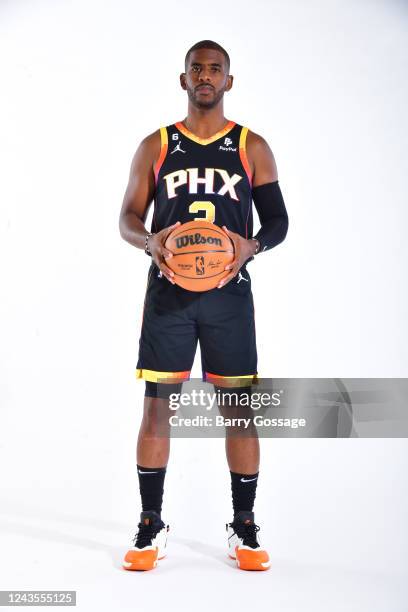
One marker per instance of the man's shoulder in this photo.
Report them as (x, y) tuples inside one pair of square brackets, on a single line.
[(151, 139), (257, 149), (255, 141), (149, 146)]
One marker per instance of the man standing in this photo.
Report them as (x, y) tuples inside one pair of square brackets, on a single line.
[(204, 167)]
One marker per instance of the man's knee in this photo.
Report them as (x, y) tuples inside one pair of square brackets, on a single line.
[(162, 390), (235, 405), (156, 410), (237, 399)]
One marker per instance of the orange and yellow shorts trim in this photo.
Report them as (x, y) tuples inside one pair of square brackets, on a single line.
[(155, 376)]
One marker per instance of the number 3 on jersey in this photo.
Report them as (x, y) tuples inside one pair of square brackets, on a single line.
[(209, 208)]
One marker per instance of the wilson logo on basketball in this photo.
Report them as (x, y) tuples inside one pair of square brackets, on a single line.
[(197, 238)]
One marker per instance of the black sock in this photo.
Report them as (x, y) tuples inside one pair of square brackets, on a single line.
[(151, 481), (243, 488)]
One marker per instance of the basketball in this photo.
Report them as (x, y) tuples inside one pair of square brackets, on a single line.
[(201, 250)]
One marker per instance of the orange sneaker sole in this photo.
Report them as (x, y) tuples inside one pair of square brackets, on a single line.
[(257, 562), (141, 562)]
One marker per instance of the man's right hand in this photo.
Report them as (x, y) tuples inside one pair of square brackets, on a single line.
[(159, 251)]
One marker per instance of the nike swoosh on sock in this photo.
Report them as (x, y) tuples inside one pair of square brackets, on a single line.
[(140, 472)]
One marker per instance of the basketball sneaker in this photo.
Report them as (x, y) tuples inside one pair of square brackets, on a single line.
[(243, 543), (149, 543)]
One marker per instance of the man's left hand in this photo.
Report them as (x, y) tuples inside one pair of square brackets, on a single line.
[(244, 249)]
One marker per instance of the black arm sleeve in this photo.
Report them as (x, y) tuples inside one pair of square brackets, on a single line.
[(272, 214)]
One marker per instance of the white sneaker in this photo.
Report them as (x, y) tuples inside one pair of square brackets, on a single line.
[(243, 543), (149, 543)]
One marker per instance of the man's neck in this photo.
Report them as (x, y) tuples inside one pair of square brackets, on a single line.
[(205, 123)]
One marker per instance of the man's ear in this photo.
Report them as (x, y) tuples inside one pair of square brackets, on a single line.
[(230, 80), (183, 80)]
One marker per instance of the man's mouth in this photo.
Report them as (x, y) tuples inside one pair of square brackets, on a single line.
[(205, 89)]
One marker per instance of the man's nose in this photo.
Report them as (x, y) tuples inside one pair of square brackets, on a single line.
[(205, 75)]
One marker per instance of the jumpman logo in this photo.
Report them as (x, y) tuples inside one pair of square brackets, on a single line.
[(240, 278), (177, 148)]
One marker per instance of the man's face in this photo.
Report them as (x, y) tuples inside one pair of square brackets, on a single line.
[(206, 78)]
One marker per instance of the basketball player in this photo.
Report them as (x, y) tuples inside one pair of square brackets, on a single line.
[(203, 167)]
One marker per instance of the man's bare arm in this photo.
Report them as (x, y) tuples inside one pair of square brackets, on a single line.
[(261, 160), (139, 192), (136, 202)]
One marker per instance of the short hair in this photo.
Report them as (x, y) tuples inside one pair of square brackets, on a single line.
[(207, 44)]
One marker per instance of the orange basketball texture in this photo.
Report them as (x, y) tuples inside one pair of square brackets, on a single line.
[(201, 250)]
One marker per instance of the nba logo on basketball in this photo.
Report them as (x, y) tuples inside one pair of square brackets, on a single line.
[(200, 265)]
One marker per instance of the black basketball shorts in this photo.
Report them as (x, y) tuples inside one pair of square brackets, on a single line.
[(174, 320)]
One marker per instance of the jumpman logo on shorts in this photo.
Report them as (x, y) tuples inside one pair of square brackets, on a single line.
[(240, 278)]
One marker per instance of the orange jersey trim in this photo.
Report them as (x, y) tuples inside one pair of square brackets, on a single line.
[(205, 141), (163, 151), (243, 155)]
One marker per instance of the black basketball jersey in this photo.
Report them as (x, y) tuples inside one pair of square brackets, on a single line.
[(203, 178)]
